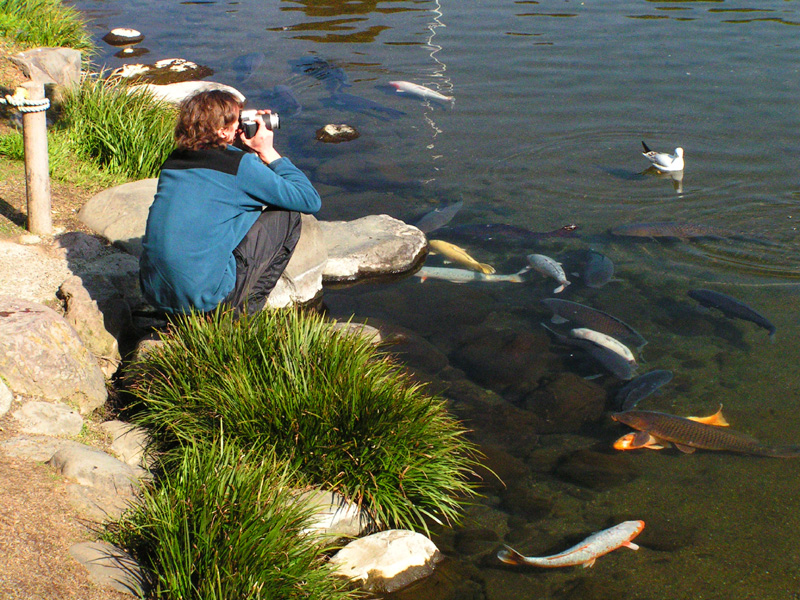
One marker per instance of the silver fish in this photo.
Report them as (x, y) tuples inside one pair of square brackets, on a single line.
[(547, 266), (612, 361), (733, 308), (420, 91), (641, 387), (598, 270), (598, 320), (438, 217), (465, 276), (604, 340)]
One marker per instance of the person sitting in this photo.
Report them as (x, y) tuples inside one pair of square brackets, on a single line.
[(224, 222)]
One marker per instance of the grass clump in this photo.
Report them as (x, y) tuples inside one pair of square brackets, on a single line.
[(330, 404), (126, 132), (32, 23), (222, 524)]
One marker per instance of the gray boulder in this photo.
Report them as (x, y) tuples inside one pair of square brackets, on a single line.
[(110, 567), (36, 448), (175, 93), (56, 66), (371, 246), (301, 281), (128, 442), (88, 321), (120, 213), (48, 418), (387, 561), (94, 468), (42, 356), (333, 514)]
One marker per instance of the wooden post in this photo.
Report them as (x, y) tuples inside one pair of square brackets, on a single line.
[(37, 176)]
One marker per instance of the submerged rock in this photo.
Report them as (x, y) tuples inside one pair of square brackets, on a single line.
[(596, 470), (123, 36), (334, 134), (168, 70)]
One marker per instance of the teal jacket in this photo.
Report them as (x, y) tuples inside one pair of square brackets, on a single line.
[(207, 200)]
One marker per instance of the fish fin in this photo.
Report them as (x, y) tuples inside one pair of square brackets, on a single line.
[(589, 563), (423, 278), (641, 439), (557, 319), (559, 289), (716, 419), (486, 269), (631, 545), (684, 448), (510, 556)]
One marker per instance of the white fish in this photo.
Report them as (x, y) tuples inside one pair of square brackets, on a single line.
[(547, 266), (664, 162), (464, 275), (420, 90), (604, 340), (585, 553)]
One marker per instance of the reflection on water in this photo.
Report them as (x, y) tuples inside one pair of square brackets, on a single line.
[(553, 100)]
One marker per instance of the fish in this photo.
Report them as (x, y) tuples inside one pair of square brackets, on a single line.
[(247, 64), (406, 87), (598, 270), (643, 439), (641, 387), (664, 162), (459, 255), (438, 217), (565, 310), (548, 266), (670, 229), (506, 235), (465, 276), (688, 435), (604, 340), (615, 363), (732, 308), (332, 76), (362, 105), (585, 553), (284, 95)]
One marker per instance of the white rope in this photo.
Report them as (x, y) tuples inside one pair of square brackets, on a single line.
[(24, 105)]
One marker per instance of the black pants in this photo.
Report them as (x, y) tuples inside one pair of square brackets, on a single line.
[(261, 258)]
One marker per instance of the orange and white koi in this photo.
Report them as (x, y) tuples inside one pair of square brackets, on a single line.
[(643, 439), (585, 553)]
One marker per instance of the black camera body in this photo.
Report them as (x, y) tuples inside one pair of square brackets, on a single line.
[(249, 125)]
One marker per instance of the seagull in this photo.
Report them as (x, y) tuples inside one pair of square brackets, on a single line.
[(664, 162)]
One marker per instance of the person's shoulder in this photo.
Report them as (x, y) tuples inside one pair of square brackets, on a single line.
[(223, 160)]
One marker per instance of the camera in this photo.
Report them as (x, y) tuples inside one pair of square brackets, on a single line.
[(249, 125)]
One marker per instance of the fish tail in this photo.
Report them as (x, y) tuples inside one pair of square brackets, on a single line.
[(772, 335), (486, 269), (562, 287), (510, 556)]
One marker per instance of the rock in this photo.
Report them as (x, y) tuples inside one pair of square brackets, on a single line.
[(175, 93), (132, 52), (87, 319), (168, 70), (119, 213), (110, 567), (369, 333), (301, 281), (387, 561), (334, 134), (57, 66), (371, 246), (94, 468), (6, 397), (596, 470), (76, 245), (37, 284), (48, 418), (98, 504), (36, 448), (333, 514), (42, 356), (128, 441), (122, 36)]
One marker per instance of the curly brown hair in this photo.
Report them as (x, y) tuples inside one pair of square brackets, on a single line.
[(202, 115)]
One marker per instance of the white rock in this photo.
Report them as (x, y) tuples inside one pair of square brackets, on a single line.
[(48, 418), (175, 93), (387, 561)]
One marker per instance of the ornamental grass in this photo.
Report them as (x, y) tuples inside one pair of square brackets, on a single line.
[(342, 413), (222, 524), (50, 23), (127, 132)]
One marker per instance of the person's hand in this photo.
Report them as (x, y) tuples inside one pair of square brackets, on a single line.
[(261, 142)]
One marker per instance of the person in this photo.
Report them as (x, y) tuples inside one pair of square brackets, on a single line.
[(224, 222)]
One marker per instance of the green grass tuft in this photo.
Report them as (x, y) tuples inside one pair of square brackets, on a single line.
[(32, 23), (344, 415), (222, 525), (126, 132)]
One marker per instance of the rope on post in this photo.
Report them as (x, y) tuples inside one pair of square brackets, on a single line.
[(24, 105)]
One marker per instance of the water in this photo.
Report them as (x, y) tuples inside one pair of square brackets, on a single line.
[(552, 99)]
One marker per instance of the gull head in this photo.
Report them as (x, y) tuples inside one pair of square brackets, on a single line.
[(679, 152)]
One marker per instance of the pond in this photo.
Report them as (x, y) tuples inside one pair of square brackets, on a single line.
[(551, 101)]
